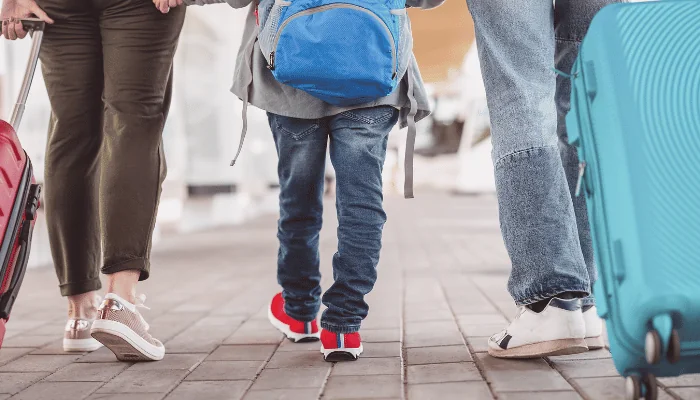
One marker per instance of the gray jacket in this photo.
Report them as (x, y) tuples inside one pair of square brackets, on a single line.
[(265, 92)]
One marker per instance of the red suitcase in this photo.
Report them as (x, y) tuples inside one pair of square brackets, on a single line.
[(19, 193)]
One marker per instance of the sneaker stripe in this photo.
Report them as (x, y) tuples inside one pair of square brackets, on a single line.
[(339, 341), (504, 342), (307, 328)]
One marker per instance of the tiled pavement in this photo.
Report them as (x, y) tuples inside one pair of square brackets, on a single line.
[(441, 292)]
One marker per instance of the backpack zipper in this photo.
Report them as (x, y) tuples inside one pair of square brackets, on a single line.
[(327, 7)]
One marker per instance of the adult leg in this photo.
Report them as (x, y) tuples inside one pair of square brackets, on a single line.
[(71, 57), (516, 48), (138, 45)]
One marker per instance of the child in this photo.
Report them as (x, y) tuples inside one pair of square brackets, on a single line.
[(304, 127)]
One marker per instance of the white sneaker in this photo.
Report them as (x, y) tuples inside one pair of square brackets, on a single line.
[(558, 330), (594, 328), (121, 328), (76, 336)]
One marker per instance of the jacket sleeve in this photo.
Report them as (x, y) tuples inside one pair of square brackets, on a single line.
[(424, 4), (239, 3), (232, 3)]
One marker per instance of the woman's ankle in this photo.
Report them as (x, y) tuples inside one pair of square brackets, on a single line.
[(83, 306), (123, 284)]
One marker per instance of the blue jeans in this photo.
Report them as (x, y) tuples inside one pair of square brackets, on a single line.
[(544, 226), (358, 141)]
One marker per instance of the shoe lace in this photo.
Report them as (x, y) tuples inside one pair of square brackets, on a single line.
[(141, 303)]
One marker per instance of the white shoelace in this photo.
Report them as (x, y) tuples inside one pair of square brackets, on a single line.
[(141, 303)]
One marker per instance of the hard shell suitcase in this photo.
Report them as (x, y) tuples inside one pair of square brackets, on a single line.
[(19, 193), (635, 119)]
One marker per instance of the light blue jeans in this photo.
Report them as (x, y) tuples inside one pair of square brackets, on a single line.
[(544, 226)]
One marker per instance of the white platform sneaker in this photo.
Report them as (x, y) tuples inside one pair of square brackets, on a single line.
[(559, 329)]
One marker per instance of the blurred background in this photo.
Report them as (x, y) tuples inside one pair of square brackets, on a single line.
[(202, 132)]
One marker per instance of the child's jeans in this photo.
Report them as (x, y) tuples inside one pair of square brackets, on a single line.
[(358, 141)]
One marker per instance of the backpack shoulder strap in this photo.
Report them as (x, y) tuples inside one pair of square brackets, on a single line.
[(248, 60), (411, 136)]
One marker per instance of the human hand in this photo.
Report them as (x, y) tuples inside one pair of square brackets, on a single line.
[(13, 10), (164, 6)]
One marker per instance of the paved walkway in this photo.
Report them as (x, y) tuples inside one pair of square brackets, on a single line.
[(441, 292)]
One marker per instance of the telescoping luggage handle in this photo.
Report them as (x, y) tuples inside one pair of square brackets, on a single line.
[(36, 30)]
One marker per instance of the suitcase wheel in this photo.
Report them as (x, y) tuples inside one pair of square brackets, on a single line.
[(662, 340), (644, 387)]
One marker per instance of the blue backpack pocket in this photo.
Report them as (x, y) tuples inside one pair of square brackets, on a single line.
[(343, 52)]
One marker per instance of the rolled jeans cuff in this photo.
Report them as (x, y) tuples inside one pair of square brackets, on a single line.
[(534, 298), (340, 329)]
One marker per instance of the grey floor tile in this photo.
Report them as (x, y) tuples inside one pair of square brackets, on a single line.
[(687, 393), (291, 378), (242, 353), (185, 362), (568, 395), (216, 390), (450, 391), (436, 355), (521, 375), (371, 387), (38, 363), (58, 391), (152, 381), (441, 373), (607, 388), (85, 372), (369, 366), (587, 368), (297, 359), (13, 382), (283, 394), (226, 371)]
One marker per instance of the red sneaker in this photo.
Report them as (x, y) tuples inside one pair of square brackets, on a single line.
[(340, 347), (296, 331)]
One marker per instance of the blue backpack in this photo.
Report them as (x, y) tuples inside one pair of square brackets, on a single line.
[(345, 53)]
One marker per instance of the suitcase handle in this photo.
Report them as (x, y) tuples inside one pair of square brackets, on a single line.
[(35, 27)]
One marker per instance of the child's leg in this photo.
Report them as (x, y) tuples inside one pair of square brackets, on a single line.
[(358, 148), (301, 147)]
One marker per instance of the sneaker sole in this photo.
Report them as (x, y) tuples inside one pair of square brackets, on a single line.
[(595, 343), (560, 347), (80, 345), (337, 355), (293, 336), (124, 342)]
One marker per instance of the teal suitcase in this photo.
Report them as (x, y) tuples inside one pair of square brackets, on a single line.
[(635, 120)]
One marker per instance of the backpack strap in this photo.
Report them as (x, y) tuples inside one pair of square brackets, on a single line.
[(411, 136), (248, 59)]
